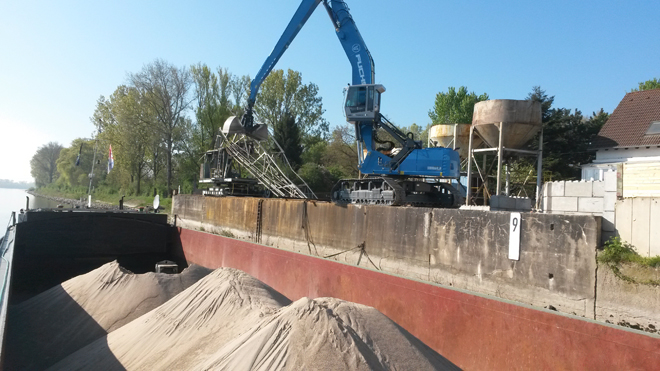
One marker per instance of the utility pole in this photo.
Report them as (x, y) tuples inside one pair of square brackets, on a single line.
[(91, 175)]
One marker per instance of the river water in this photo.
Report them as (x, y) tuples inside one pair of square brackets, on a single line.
[(15, 199)]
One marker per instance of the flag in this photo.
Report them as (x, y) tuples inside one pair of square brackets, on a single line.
[(111, 160), (78, 158)]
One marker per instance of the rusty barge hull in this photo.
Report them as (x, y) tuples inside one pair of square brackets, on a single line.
[(475, 332)]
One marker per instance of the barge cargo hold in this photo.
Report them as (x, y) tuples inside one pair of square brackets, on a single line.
[(473, 331)]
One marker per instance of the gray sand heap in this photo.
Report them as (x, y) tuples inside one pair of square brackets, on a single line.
[(229, 320), (326, 334), (67, 317), (186, 329)]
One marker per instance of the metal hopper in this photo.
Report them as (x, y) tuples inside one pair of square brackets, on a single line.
[(519, 119), (456, 136)]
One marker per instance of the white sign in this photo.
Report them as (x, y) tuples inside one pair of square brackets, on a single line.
[(514, 236)]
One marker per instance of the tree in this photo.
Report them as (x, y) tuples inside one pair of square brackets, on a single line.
[(44, 164), (72, 175), (287, 134), (567, 135), (341, 156), (164, 89), (318, 178), (455, 107), (648, 85), (126, 123), (240, 86), (281, 93), (418, 133), (327, 161), (212, 102)]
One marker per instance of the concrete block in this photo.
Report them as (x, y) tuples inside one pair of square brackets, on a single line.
[(507, 203), (598, 189), (608, 222), (557, 188), (641, 229), (523, 204), (609, 201), (494, 202), (590, 204), (564, 203), (609, 178), (623, 218), (578, 189), (502, 202), (654, 222)]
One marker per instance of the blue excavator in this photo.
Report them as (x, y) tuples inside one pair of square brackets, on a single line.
[(402, 173)]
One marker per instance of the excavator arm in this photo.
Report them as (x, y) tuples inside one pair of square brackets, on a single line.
[(348, 35)]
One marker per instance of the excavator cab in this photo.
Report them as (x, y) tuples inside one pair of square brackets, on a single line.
[(363, 102)]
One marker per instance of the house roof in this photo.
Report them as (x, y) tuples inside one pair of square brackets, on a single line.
[(629, 122)]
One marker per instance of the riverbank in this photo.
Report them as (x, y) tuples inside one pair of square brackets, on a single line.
[(108, 202), (81, 204)]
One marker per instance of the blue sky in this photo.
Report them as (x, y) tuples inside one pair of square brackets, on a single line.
[(58, 57)]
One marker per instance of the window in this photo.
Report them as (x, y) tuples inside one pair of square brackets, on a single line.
[(654, 128), (356, 99)]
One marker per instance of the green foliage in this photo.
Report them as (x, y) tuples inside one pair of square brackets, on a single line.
[(226, 233), (455, 107), (419, 133), (313, 150), (72, 176), (567, 136), (212, 103), (43, 165), (129, 125), (341, 152), (218, 96), (164, 90), (648, 85), (282, 93), (318, 177), (287, 134), (617, 252)]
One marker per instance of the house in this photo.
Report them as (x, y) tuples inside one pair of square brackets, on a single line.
[(630, 144)]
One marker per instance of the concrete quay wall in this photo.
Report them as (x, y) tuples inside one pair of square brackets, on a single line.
[(465, 249)]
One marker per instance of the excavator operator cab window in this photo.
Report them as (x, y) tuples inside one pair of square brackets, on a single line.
[(363, 101)]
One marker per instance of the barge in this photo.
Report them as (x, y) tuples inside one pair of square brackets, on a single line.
[(474, 331)]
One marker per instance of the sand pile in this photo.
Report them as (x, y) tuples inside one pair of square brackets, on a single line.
[(326, 334), (230, 320), (59, 321), (186, 329)]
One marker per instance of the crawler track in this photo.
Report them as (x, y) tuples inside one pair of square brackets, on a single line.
[(395, 192)]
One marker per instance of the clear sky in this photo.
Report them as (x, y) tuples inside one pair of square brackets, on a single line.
[(58, 57)]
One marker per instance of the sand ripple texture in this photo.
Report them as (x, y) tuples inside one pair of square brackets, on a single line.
[(48, 327), (229, 320)]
